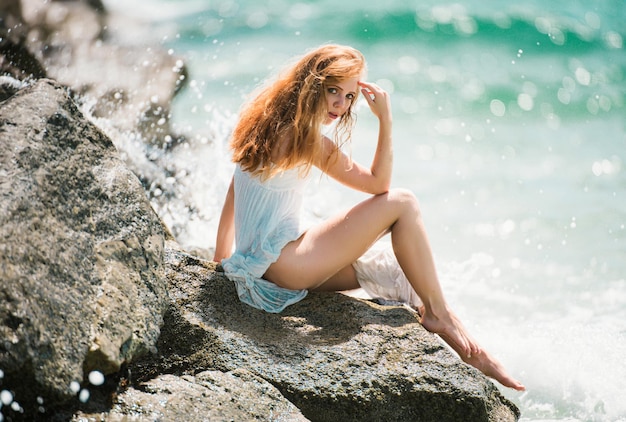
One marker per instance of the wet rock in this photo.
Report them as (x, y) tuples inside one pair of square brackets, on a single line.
[(18, 62), (81, 274), (131, 85), (9, 86), (207, 396), (334, 357), (121, 78)]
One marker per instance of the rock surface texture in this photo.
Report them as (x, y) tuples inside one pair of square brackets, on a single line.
[(334, 357), (81, 273), (207, 396)]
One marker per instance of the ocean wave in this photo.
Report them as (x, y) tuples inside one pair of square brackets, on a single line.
[(570, 30)]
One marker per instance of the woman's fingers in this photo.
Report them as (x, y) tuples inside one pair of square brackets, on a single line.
[(371, 91), (377, 98)]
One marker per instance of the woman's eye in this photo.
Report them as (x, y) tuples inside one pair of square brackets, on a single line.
[(332, 90), (350, 97)]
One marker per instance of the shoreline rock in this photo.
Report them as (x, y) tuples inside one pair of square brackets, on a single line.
[(333, 356), (81, 271)]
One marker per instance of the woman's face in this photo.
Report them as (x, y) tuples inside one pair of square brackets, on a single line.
[(339, 98)]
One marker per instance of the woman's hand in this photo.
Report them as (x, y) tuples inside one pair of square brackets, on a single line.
[(378, 99)]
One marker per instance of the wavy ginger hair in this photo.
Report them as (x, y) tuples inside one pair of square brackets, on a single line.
[(287, 115)]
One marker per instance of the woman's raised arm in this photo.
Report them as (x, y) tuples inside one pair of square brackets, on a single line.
[(376, 179)]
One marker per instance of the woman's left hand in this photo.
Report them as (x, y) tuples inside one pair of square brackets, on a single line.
[(378, 99)]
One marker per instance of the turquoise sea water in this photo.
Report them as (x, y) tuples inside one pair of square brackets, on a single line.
[(510, 127)]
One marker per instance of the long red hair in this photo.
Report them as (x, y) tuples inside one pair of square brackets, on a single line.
[(287, 114)]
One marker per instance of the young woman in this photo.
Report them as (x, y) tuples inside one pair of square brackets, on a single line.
[(276, 142)]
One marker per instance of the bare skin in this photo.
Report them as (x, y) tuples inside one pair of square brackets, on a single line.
[(489, 366), (311, 261), (321, 259), (327, 248)]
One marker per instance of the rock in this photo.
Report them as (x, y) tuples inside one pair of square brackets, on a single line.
[(9, 86), (130, 85), (81, 274), (334, 357), (15, 58), (80, 45), (18, 62), (207, 396)]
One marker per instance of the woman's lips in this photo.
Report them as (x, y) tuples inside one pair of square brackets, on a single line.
[(332, 116)]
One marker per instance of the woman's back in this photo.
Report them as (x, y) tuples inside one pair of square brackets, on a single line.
[(267, 217)]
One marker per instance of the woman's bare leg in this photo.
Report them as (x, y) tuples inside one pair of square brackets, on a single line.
[(331, 246), (489, 366), (311, 262), (346, 279)]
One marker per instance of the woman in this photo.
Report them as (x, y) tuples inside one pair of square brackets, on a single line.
[(276, 142)]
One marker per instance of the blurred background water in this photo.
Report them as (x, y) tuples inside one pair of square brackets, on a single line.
[(509, 125)]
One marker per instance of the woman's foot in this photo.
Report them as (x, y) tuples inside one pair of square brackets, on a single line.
[(449, 327), (492, 368), (480, 360)]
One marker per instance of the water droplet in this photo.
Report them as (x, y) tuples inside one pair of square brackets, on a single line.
[(84, 395), (74, 387), (96, 378), (525, 102), (6, 397), (497, 108), (583, 76)]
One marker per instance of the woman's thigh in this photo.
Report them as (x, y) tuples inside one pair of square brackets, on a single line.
[(331, 246), (344, 279)]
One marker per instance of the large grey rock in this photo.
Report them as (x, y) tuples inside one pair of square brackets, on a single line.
[(207, 396), (334, 357), (81, 278), (124, 79)]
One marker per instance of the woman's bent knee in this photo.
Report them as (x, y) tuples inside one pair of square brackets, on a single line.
[(404, 198)]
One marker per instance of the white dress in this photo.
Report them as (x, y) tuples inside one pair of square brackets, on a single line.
[(267, 217)]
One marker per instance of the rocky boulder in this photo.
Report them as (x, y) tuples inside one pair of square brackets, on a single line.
[(79, 45), (81, 270), (207, 396), (336, 358)]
